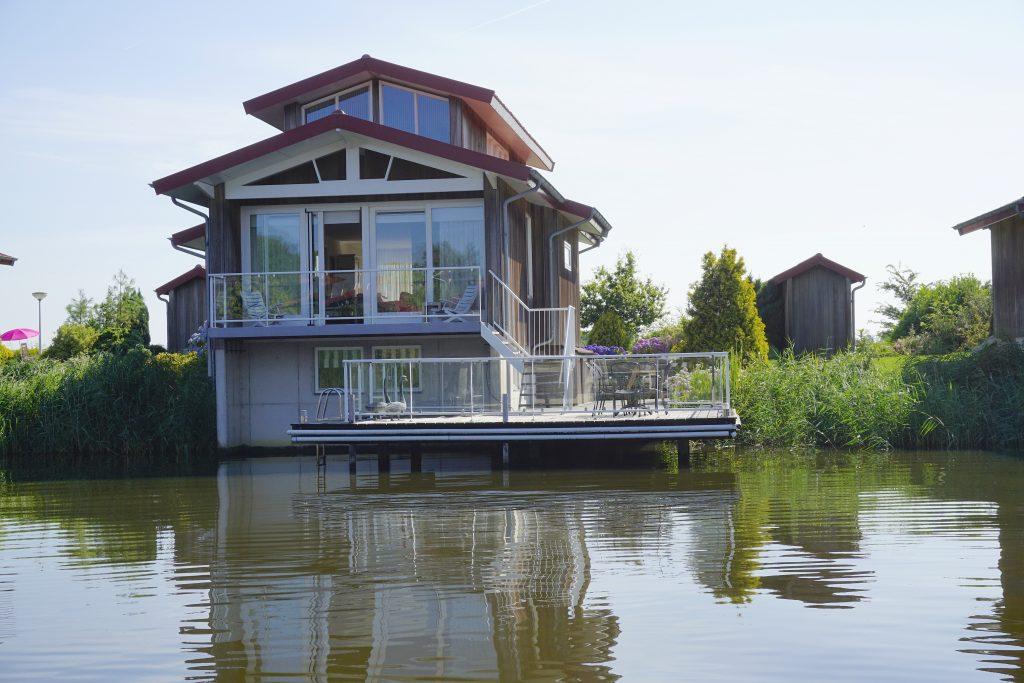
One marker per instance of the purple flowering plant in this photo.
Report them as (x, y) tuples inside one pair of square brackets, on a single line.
[(651, 345), (605, 350)]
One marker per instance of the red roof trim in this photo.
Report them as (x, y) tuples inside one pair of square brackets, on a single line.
[(195, 273), (7, 260), (814, 262), (987, 220), (374, 67), (188, 234), (337, 120)]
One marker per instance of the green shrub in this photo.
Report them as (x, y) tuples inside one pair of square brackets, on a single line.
[(609, 330), (946, 316), (72, 339)]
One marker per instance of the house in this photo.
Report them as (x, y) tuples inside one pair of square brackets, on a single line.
[(1006, 229), (186, 301), (6, 260), (395, 215), (816, 297)]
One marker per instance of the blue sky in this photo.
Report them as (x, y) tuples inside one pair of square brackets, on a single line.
[(860, 130)]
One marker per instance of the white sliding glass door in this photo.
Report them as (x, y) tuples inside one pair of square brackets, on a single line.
[(400, 254), (276, 251)]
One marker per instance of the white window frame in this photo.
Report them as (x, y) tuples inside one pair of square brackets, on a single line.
[(337, 96), (395, 347), (316, 366), (567, 253), (415, 107)]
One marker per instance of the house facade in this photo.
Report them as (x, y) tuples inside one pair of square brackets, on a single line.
[(186, 299), (396, 214)]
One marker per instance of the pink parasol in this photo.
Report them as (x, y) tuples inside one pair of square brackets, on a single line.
[(18, 333)]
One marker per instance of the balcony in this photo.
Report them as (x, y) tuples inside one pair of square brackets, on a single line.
[(345, 302)]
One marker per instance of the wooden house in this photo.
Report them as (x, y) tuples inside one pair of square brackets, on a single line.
[(186, 301), (6, 260), (816, 298), (393, 215), (1006, 230)]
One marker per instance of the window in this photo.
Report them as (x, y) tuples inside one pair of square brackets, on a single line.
[(567, 256), (393, 379), (415, 112), (332, 166), (330, 368), (457, 237), (355, 102), (296, 175), (495, 148), (379, 166)]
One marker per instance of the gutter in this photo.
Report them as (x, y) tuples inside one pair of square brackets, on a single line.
[(551, 250), (853, 312), (206, 265)]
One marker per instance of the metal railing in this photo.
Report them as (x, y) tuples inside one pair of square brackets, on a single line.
[(529, 386), (530, 331), (345, 296)]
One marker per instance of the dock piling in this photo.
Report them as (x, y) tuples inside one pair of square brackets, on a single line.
[(683, 453)]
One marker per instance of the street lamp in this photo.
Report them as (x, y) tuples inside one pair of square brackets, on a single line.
[(39, 296)]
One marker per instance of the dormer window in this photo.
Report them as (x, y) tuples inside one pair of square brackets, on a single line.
[(354, 102), (415, 112)]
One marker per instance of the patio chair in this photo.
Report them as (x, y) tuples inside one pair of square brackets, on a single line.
[(456, 311), (256, 310)]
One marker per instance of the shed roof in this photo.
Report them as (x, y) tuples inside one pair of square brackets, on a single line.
[(193, 238), (990, 218), (814, 262), (484, 102), (194, 274), (6, 260)]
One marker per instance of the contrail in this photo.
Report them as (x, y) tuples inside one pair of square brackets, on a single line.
[(506, 16)]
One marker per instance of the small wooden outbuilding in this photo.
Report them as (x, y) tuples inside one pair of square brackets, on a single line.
[(817, 304), (6, 260), (1006, 227), (186, 306)]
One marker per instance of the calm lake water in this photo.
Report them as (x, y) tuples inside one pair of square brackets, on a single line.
[(754, 566)]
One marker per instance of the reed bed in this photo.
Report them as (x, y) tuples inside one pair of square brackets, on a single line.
[(129, 413)]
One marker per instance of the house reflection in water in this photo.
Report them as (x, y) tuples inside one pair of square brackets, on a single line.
[(388, 579)]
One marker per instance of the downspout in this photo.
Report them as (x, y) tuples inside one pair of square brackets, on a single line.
[(506, 261), (206, 266), (551, 250), (853, 325)]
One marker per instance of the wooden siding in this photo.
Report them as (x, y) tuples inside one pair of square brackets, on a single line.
[(1008, 278), (225, 234), (292, 116), (186, 312), (474, 131), (817, 311)]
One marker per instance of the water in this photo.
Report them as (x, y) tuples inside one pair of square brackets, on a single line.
[(767, 567)]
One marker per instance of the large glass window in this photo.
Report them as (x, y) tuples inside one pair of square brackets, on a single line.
[(457, 235), (415, 112), (396, 379), (275, 246), (401, 246), (330, 366), (353, 102)]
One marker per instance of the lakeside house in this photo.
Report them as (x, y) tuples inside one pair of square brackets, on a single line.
[(1006, 230), (816, 297), (396, 215), (186, 301), (6, 260)]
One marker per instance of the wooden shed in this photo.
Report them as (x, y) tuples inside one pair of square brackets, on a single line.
[(817, 304), (6, 260), (1006, 228), (186, 306)]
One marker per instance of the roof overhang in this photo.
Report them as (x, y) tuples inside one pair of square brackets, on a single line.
[(993, 217), (6, 260), (817, 261), (190, 238), (196, 273), (594, 229), (483, 102)]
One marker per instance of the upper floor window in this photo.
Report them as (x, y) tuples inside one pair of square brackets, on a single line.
[(354, 102), (415, 112)]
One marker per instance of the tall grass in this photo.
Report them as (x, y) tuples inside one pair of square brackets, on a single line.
[(106, 413)]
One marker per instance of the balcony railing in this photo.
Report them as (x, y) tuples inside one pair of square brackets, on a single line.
[(345, 296), (534, 386), (530, 331)]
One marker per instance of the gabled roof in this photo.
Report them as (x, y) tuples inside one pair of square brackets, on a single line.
[(987, 220), (269, 107), (338, 122), (814, 262), (6, 260), (191, 238), (196, 273)]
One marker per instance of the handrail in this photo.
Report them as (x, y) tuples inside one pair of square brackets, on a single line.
[(527, 330)]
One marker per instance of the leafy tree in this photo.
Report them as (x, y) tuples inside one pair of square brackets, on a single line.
[(609, 330), (945, 316), (80, 310), (770, 307), (902, 284), (72, 339), (636, 300), (723, 310)]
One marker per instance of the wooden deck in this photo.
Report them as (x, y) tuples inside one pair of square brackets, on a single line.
[(553, 426)]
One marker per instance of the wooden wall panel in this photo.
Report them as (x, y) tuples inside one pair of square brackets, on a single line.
[(818, 311), (186, 311), (1008, 278), (292, 115)]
